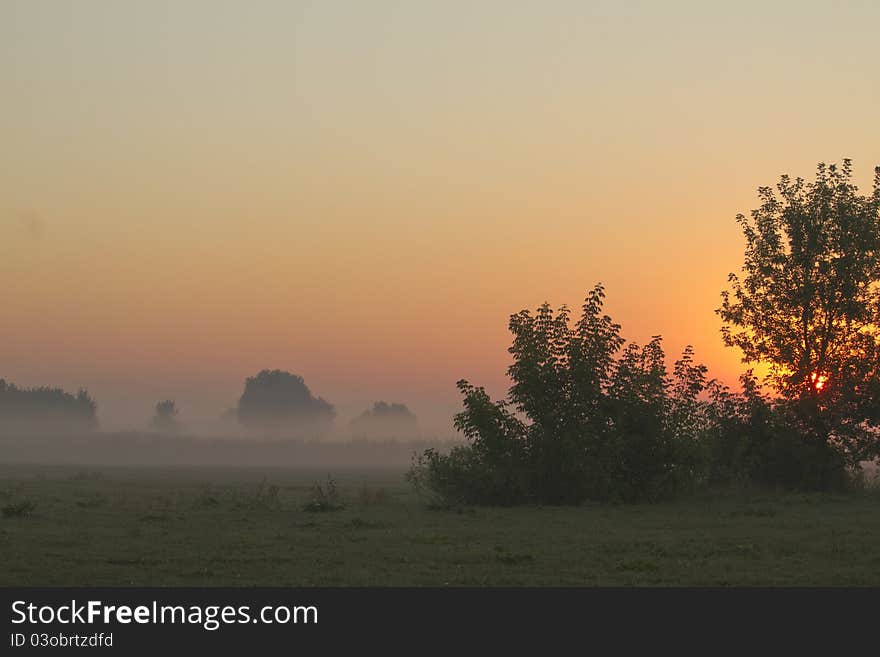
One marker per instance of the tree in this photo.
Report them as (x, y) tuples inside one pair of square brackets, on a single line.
[(808, 305), (277, 403), (385, 420), (45, 410), (583, 419), (165, 418)]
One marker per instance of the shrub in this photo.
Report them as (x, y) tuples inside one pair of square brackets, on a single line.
[(266, 495), (583, 420), (324, 498), (753, 438), (463, 477), (589, 418), (23, 509)]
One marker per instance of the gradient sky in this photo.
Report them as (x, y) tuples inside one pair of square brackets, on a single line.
[(362, 192)]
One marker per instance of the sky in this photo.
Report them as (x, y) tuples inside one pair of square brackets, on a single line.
[(362, 192)]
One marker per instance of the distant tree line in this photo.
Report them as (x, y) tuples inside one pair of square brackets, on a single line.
[(45, 410), (590, 417), (278, 404), (275, 404)]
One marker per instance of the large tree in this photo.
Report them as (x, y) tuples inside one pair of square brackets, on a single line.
[(279, 404), (808, 304)]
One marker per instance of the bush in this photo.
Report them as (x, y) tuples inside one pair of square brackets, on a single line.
[(324, 498), (23, 509), (583, 420), (756, 439), (589, 418), (462, 477), (266, 496)]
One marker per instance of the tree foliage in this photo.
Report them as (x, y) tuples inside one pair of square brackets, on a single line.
[(808, 305), (585, 418), (279, 404), (165, 417), (45, 410), (384, 421)]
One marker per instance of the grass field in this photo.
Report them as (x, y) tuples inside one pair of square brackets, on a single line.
[(207, 527)]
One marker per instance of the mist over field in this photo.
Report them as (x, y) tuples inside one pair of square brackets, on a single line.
[(276, 422), (361, 193), (470, 293)]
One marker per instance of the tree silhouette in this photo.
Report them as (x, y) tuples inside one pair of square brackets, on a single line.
[(280, 404), (45, 410), (165, 417), (808, 304), (583, 419), (385, 420)]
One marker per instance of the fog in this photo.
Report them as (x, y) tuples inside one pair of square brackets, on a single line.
[(206, 411), (273, 419)]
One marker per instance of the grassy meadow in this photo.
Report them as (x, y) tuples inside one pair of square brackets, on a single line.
[(109, 526)]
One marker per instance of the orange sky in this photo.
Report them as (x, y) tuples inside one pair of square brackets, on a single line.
[(362, 193)]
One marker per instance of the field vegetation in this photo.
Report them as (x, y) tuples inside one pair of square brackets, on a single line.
[(251, 527)]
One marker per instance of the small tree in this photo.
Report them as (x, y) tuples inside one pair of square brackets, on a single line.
[(165, 417), (808, 304)]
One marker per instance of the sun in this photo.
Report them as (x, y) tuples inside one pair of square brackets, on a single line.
[(818, 380)]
